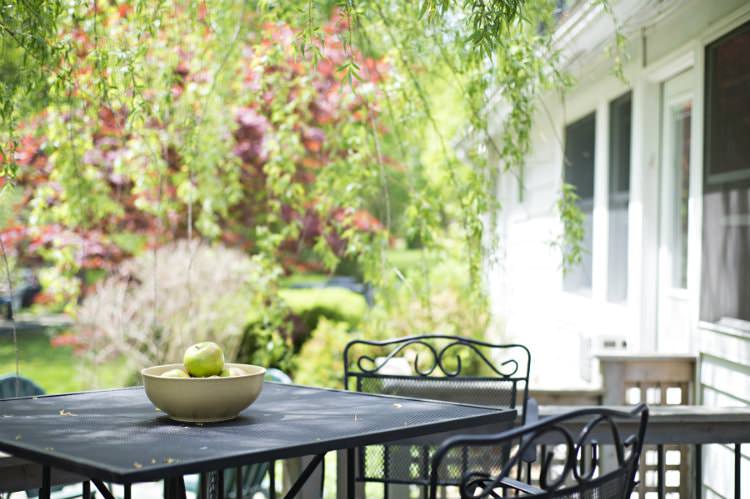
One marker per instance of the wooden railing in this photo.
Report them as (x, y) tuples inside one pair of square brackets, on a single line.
[(657, 380)]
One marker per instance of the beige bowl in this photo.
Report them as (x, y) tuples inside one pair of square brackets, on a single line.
[(202, 400)]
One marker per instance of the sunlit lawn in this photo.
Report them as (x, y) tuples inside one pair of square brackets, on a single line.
[(56, 369)]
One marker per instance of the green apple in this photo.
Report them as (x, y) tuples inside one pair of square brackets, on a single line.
[(175, 373), (204, 359)]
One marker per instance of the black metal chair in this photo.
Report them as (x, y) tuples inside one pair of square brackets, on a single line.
[(438, 367), (12, 386), (578, 474)]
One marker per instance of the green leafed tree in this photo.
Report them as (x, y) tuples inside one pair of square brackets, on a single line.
[(287, 128)]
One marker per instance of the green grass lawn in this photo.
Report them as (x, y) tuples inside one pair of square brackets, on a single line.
[(56, 369)]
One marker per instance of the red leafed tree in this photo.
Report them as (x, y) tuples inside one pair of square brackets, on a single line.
[(319, 99)]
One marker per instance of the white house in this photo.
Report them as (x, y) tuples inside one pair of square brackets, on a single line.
[(662, 166)]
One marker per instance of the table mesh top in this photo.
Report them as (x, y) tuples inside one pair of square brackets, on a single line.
[(118, 435)]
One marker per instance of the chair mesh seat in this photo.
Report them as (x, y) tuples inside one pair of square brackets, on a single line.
[(407, 461)]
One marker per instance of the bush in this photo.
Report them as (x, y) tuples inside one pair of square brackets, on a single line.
[(436, 298), (265, 346), (307, 306), (151, 311), (338, 304), (275, 337), (320, 361)]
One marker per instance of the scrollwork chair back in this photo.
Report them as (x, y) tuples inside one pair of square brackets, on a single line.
[(438, 367), (577, 476)]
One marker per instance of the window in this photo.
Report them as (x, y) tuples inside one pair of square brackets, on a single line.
[(680, 116), (619, 197), (725, 278), (579, 172)]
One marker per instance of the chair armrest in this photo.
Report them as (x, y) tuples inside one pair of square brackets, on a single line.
[(523, 487), (532, 416)]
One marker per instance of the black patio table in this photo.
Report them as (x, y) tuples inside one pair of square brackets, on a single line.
[(119, 436)]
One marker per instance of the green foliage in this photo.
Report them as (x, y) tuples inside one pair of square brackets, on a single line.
[(571, 236), (320, 361), (409, 261), (437, 298), (139, 131), (130, 242), (263, 344), (278, 330), (406, 154), (337, 304), (617, 50), (30, 63)]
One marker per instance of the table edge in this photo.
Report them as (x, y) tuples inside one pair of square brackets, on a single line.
[(95, 470)]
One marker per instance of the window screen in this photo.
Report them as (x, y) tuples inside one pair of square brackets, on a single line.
[(619, 197), (579, 172), (725, 279)]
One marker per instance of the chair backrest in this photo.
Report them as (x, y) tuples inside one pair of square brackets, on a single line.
[(441, 367), (574, 477), (24, 386)]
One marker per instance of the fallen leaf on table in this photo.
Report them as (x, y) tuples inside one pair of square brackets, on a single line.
[(137, 465), (63, 412)]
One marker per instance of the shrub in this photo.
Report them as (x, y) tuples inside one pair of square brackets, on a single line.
[(159, 303), (264, 342), (283, 328), (320, 361), (307, 306)]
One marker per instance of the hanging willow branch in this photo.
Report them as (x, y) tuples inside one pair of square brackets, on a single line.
[(428, 56)]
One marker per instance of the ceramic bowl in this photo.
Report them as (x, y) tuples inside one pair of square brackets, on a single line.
[(202, 400)]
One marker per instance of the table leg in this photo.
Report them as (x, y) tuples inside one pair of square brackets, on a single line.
[(174, 488), (350, 473), (86, 490), (103, 490), (46, 490), (126, 492)]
